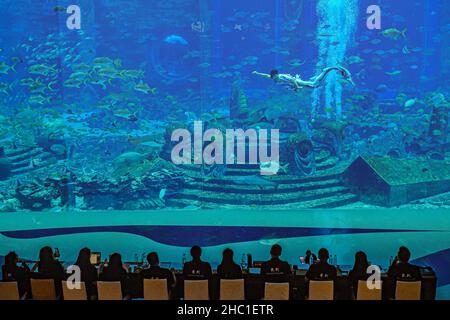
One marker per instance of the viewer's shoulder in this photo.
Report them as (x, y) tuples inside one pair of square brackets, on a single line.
[(331, 268), (415, 267), (144, 272), (166, 271), (314, 266)]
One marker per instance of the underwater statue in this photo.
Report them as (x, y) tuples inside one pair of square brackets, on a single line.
[(301, 155), (238, 103), (330, 135), (296, 83)]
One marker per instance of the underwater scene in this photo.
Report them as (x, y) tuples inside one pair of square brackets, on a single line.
[(156, 125), (213, 104)]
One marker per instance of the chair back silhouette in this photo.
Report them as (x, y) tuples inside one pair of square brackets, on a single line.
[(109, 290), (43, 289), (196, 290), (232, 289), (9, 291), (365, 293), (408, 290), (74, 294), (276, 291), (321, 290), (155, 289)]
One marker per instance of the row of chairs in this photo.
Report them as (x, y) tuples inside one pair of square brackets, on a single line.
[(156, 289), (324, 290)]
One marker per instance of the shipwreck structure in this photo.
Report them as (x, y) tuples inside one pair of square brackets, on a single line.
[(391, 182)]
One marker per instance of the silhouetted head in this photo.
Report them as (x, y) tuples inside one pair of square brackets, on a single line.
[(196, 252), (45, 254), (361, 262), (46, 259), (115, 261), (403, 254), (11, 261), (274, 73), (227, 256), (84, 257), (153, 259), (308, 252), (323, 255), (276, 250)]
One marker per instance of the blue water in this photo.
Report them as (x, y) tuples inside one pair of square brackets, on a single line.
[(100, 100), (190, 56)]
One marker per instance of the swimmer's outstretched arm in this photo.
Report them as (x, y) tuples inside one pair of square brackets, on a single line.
[(264, 75)]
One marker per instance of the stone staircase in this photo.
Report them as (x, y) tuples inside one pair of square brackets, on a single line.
[(25, 160), (242, 187)]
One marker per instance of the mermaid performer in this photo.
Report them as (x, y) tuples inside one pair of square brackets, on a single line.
[(296, 83)]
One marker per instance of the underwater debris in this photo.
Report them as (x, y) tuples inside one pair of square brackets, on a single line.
[(128, 192), (143, 204), (136, 164), (34, 197), (129, 161), (9, 204)]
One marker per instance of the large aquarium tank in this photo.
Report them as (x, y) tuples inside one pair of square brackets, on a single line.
[(143, 124)]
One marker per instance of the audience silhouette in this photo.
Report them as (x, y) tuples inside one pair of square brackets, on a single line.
[(48, 267), (197, 269), (228, 269)]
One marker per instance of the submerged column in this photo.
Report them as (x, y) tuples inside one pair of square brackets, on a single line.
[(335, 31), (205, 51)]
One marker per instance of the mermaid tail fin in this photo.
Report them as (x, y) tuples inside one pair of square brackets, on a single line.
[(346, 74)]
